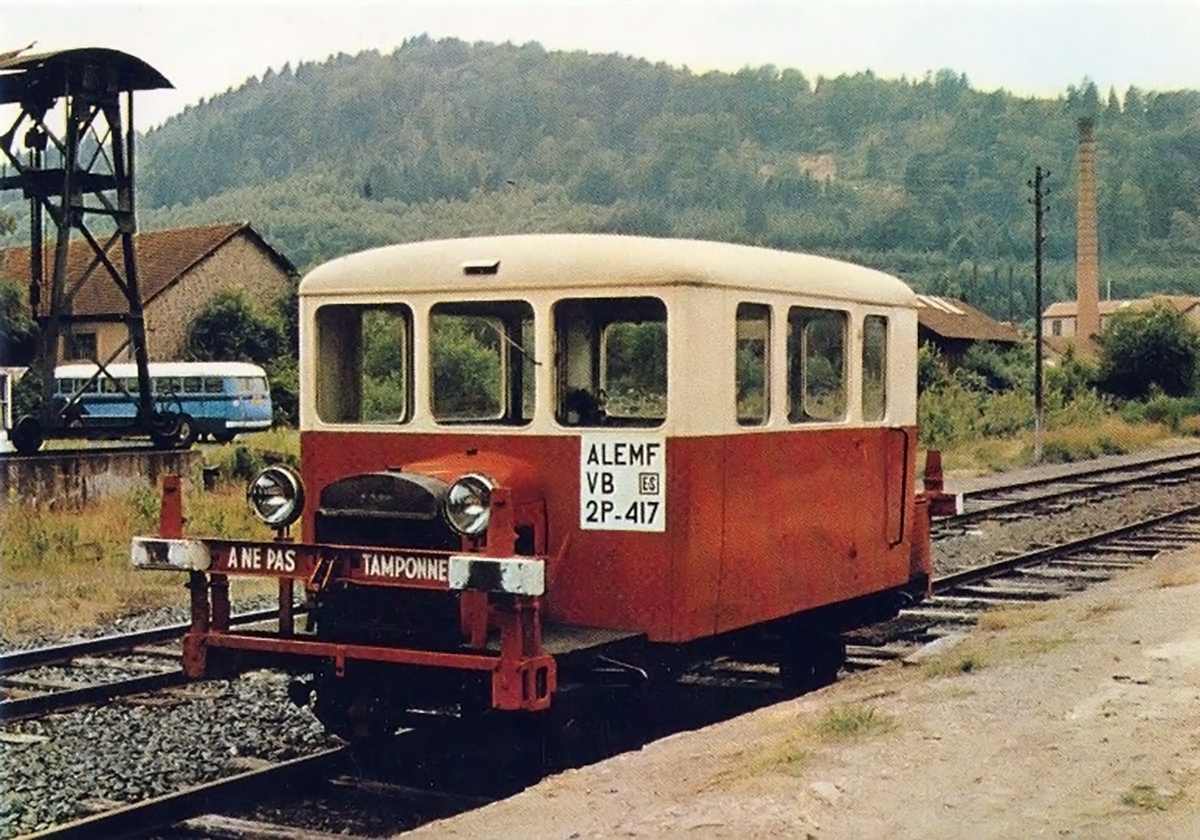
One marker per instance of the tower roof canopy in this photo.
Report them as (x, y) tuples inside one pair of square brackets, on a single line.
[(49, 75)]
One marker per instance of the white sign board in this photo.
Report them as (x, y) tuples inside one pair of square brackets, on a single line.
[(623, 482)]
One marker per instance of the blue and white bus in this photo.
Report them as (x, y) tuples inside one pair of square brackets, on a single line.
[(217, 399)]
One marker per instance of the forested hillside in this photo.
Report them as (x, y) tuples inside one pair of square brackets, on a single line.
[(924, 177)]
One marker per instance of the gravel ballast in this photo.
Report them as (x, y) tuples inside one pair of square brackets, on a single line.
[(52, 770)]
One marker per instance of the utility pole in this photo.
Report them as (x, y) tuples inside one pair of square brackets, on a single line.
[(1039, 193)]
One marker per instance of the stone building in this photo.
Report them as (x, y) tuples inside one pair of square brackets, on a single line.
[(178, 271), (1060, 319)]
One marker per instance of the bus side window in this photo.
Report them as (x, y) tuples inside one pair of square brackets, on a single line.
[(214, 385), (193, 385)]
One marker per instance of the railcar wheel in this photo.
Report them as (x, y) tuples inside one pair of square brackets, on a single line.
[(350, 713), (224, 437), (807, 661)]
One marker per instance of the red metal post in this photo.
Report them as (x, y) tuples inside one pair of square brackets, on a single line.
[(170, 514), (219, 587), (287, 620), (170, 526), (941, 503)]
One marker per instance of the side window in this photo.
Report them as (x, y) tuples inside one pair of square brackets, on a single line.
[(874, 367), (611, 361), (482, 362), (214, 385), (753, 374), (364, 364), (816, 365)]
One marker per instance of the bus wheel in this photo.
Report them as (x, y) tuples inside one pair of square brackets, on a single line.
[(26, 435), (185, 432), (224, 437)]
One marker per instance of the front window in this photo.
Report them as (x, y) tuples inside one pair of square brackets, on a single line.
[(611, 361), (364, 364), (816, 365), (483, 362)]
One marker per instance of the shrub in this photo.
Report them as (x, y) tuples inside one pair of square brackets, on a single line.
[(1143, 351)]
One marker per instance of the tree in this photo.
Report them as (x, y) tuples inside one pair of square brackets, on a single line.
[(1155, 348), (231, 328), (18, 331)]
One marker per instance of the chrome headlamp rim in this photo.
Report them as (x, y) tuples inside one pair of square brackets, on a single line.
[(276, 496), (467, 507)]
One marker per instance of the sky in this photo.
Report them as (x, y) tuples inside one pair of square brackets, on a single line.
[(1026, 47)]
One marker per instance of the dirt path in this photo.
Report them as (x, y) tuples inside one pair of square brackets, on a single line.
[(1076, 719)]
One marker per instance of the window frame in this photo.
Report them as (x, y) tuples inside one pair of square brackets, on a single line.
[(800, 400)]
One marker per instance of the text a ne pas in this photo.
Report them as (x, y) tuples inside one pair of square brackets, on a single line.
[(375, 564)]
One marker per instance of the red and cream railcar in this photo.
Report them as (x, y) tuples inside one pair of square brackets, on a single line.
[(523, 455)]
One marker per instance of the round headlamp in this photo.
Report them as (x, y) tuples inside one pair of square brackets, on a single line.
[(276, 496), (469, 504)]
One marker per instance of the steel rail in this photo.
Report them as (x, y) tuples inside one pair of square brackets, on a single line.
[(1085, 489), (946, 583), (161, 812), (1088, 473), (22, 660), (21, 708)]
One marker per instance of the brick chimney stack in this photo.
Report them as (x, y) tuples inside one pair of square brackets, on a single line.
[(1087, 255)]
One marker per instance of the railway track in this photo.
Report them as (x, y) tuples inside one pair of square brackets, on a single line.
[(49, 679), (230, 807), (1034, 497), (1046, 573), (151, 816)]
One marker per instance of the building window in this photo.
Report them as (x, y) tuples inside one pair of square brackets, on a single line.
[(1056, 326), (79, 346)]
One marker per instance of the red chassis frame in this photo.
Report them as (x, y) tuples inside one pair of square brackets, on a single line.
[(496, 590)]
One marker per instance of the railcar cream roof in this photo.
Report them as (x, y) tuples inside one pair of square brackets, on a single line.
[(596, 261)]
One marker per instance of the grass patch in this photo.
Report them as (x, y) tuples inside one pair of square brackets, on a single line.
[(65, 570), (1148, 798), (240, 460), (790, 758), (852, 721), (848, 722), (981, 455), (1176, 577), (953, 664), (1009, 617), (1103, 608)]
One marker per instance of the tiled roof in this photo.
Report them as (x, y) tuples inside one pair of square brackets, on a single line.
[(163, 256), (951, 318), (1068, 308)]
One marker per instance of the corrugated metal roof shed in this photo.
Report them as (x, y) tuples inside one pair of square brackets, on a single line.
[(951, 318)]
